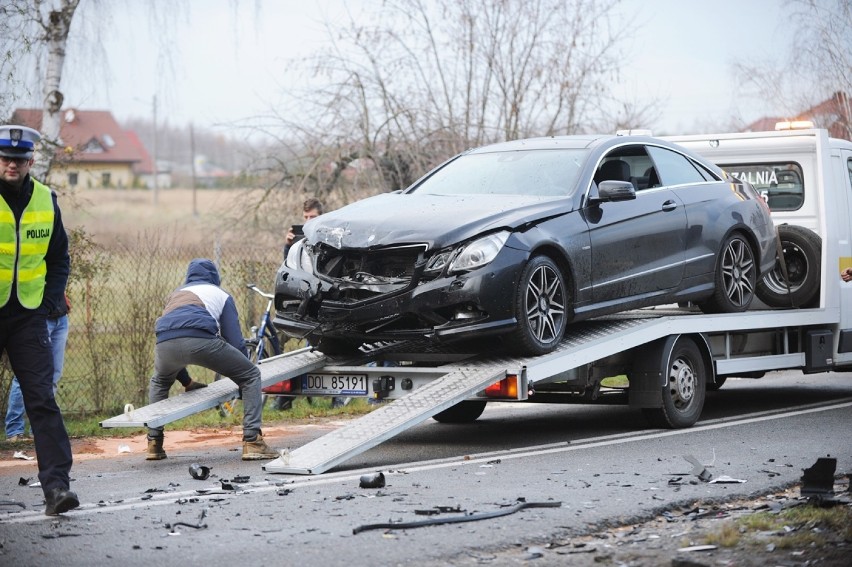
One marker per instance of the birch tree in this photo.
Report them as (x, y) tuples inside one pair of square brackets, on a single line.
[(42, 25)]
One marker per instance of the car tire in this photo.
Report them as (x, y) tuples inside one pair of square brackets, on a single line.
[(464, 412), (802, 249), (540, 305), (735, 278), (685, 390)]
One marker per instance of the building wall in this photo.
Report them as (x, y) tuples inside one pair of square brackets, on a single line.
[(92, 175)]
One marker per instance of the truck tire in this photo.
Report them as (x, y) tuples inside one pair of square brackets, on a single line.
[(463, 412), (802, 249), (683, 395), (735, 277)]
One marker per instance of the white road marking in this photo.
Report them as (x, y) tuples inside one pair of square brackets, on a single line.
[(475, 459)]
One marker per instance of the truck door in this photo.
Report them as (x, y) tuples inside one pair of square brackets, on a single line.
[(842, 222)]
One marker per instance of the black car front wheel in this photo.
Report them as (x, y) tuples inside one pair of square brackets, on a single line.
[(540, 303), (735, 278)]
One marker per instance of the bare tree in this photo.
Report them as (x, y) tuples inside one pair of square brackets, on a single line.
[(41, 26), (425, 79), (817, 65)]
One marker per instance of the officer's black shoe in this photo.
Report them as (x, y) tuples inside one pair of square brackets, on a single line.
[(59, 500)]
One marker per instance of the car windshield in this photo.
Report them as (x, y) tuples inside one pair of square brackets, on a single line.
[(545, 173)]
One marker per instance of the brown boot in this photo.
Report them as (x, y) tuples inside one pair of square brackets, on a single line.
[(155, 449), (257, 450)]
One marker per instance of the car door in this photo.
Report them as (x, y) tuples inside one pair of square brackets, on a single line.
[(699, 193), (637, 245)]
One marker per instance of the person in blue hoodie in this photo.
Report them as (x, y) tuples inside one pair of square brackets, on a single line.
[(200, 326)]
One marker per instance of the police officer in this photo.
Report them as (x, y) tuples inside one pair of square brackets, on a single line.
[(34, 266)]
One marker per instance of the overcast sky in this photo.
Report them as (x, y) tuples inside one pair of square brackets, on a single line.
[(681, 54)]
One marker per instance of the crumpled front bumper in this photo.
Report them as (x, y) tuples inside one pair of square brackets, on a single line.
[(475, 303)]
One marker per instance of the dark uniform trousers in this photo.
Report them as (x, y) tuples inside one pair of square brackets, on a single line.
[(23, 335)]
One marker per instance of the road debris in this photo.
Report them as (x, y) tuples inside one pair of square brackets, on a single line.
[(818, 480), (439, 510), (373, 480), (455, 519), (199, 472), (12, 503), (725, 479), (698, 469), (198, 526), (697, 548)]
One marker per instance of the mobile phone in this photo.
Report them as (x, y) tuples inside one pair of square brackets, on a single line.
[(297, 229)]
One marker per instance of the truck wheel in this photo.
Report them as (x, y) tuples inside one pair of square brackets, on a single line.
[(685, 390), (735, 278), (540, 308), (802, 249), (715, 386), (463, 412)]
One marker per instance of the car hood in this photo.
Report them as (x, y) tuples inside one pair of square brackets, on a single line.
[(437, 220)]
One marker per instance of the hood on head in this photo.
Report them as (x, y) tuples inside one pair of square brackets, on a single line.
[(202, 270)]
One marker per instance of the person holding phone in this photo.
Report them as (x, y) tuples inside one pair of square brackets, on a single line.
[(311, 208)]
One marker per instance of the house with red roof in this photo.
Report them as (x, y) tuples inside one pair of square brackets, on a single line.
[(96, 152), (834, 114)]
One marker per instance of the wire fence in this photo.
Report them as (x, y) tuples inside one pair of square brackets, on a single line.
[(116, 297)]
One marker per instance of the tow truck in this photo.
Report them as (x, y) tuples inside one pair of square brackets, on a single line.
[(670, 355)]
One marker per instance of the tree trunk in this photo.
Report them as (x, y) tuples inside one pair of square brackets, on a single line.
[(56, 30)]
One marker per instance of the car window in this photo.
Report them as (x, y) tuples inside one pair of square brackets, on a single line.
[(545, 173), (627, 163), (674, 168), (781, 183)]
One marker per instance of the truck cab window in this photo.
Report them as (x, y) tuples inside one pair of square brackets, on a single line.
[(781, 183)]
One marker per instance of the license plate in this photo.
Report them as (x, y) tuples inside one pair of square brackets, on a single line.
[(335, 384)]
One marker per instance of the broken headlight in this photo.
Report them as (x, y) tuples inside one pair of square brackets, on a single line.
[(298, 258), (479, 252)]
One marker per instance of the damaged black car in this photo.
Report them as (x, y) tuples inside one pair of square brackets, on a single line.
[(521, 238)]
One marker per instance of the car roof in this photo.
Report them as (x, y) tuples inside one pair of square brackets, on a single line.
[(569, 142)]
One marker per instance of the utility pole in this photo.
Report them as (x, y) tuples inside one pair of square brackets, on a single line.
[(154, 148), (192, 160)]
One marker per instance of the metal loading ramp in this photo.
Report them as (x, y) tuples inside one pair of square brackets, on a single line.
[(381, 424), (272, 370)]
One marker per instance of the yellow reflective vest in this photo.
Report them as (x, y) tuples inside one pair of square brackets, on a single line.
[(23, 247)]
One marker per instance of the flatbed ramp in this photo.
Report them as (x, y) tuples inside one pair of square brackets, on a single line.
[(379, 425), (272, 370)]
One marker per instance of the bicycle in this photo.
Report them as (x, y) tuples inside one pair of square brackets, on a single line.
[(263, 342)]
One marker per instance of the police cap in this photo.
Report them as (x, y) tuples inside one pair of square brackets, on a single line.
[(18, 141)]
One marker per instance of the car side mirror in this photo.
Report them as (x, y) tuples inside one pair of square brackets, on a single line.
[(613, 191)]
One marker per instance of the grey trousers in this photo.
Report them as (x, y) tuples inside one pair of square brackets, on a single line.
[(217, 355)]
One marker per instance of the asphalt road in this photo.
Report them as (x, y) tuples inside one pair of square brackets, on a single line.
[(599, 463)]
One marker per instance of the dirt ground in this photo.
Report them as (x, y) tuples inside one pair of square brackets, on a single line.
[(687, 537)]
